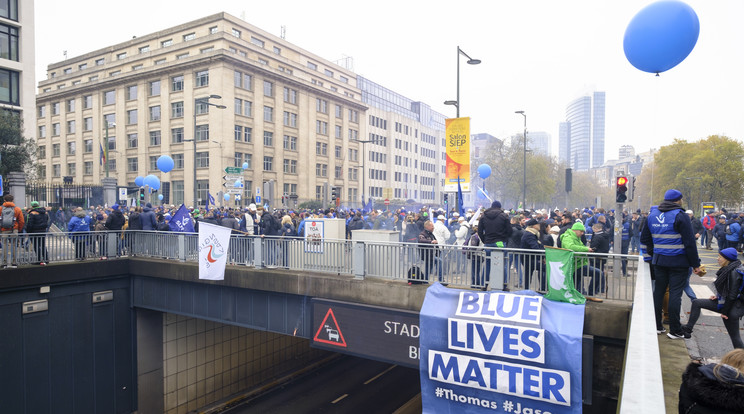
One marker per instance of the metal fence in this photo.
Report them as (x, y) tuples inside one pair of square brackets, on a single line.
[(64, 195), (610, 276)]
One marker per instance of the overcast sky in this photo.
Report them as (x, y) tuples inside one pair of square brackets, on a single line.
[(537, 55)]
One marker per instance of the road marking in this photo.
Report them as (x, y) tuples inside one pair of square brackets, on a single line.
[(704, 292), (339, 398), (380, 374)]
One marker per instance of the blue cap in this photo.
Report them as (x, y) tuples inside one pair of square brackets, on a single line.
[(672, 195), (729, 253), (115, 207)]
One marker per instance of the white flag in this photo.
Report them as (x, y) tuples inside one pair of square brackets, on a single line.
[(213, 244)]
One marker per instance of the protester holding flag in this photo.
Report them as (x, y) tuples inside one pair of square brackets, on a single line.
[(571, 240)]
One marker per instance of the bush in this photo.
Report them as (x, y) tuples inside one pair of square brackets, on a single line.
[(311, 205)]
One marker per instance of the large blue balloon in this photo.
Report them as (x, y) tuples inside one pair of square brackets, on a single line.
[(165, 163), (153, 182), (484, 171), (237, 184), (227, 197), (661, 36), (160, 197), (245, 165), (139, 181)]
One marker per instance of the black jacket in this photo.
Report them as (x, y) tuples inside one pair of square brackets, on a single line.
[(600, 242), (703, 392), (515, 240), (134, 221), (115, 220), (697, 226), (356, 223), (494, 226), (37, 221)]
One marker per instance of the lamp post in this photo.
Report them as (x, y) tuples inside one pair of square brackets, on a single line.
[(471, 61), (106, 149), (524, 168), (363, 142), (203, 101)]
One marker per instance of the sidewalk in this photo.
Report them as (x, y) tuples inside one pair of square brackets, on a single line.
[(674, 361)]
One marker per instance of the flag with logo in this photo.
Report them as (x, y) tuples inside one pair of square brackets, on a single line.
[(210, 200), (213, 247), (182, 221), (560, 270)]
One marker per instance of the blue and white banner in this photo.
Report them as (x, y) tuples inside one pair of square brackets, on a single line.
[(214, 242), (182, 221), (485, 352)]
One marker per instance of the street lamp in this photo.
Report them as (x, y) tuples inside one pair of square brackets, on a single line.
[(363, 157), (197, 102), (524, 168), (106, 149), (471, 61)]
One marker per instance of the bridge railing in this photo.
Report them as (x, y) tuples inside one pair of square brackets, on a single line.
[(480, 267)]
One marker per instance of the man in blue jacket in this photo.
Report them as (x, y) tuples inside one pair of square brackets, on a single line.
[(669, 240)]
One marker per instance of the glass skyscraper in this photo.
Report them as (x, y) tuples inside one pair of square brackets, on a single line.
[(582, 136)]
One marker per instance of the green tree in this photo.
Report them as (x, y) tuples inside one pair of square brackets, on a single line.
[(16, 152)]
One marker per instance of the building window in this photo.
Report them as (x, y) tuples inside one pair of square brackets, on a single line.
[(202, 78), (88, 168), (268, 114), (321, 105), (55, 150), (132, 140), (131, 92), (109, 97), (312, 66), (344, 79), (268, 139), (257, 42), (290, 143), (177, 187), (338, 173), (238, 106), (290, 119), (321, 170), (42, 111), (202, 133), (268, 89), (121, 56), (321, 148), (111, 143), (87, 101), (277, 50), (109, 119), (55, 130), (160, 61), (189, 36), (131, 117), (321, 127), (70, 105), (177, 83), (100, 61), (166, 43), (154, 88), (339, 111), (41, 151), (155, 137), (338, 131), (112, 164), (202, 107), (176, 135), (238, 160), (248, 108), (178, 161), (268, 163), (338, 151), (71, 148), (243, 80), (290, 166), (70, 127), (236, 33), (55, 108), (144, 49), (328, 73), (9, 9), (182, 56), (213, 30), (202, 188), (354, 117), (56, 170), (88, 146), (153, 164), (248, 159), (71, 169), (202, 159), (290, 95), (42, 131), (155, 113), (132, 164), (177, 110)]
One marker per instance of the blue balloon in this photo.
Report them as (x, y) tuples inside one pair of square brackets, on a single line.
[(237, 184), (160, 197), (139, 181), (484, 171), (227, 197), (153, 182), (245, 165), (661, 36), (165, 163)]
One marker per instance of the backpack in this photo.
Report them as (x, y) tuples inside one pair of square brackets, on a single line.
[(8, 219)]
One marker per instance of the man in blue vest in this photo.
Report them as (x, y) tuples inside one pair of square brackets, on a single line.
[(670, 242)]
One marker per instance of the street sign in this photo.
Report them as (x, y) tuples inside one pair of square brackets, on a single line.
[(232, 177), (387, 202), (122, 193), (258, 191), (234, 190), (233, 170), (258, 199)]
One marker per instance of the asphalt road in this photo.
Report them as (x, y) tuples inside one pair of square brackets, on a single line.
[(709, 341), (346, 385)]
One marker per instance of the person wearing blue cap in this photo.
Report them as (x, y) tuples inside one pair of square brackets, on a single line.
[(670, 242), (728, 301)]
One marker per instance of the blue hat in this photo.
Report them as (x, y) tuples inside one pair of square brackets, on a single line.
[(672, 195), (729, 253), (115, 207)]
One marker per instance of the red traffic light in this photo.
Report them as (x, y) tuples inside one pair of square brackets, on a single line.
[(622, 180)]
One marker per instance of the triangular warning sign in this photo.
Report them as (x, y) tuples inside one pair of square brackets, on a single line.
[(329, 332)]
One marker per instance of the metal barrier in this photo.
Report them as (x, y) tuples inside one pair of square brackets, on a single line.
[(609, 276)]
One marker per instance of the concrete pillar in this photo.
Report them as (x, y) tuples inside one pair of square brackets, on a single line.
[(17, 187), (110, 193)]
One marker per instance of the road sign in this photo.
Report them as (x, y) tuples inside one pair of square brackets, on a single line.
[(258, 199), (232, 177), (122, 193), (234, 190), (258, 191), (233, 170), (387, 202)]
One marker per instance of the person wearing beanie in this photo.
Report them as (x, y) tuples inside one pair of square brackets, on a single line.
[(37, 225), (494, 230), (726, 301), (571, 240), (670, 242)]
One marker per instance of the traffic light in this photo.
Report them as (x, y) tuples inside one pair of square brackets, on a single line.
[(446, 198), (621, 189), (142, 194), (631, 187), (333, 194)]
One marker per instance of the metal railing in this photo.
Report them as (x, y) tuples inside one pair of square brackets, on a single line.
[(609, 276)]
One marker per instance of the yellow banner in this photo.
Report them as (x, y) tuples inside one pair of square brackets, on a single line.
[(457, 135)]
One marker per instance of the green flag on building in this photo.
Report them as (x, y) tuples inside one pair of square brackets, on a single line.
[(560, 269)]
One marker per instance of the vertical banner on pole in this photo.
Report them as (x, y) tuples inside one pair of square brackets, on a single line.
[(457, 140)]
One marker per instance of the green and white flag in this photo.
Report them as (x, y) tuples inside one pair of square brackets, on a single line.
[(560, 269)]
